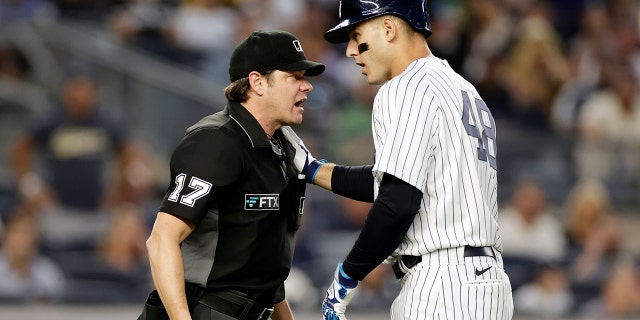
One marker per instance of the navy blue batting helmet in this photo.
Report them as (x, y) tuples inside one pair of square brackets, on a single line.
[(415, 12)]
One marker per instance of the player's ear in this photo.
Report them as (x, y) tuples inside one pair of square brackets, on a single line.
[(257, 81), (389, 28)]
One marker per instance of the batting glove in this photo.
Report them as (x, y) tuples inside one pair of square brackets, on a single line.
[(304, 162), (338, 296)]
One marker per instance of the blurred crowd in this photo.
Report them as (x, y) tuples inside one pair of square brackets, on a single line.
[(79, 190)]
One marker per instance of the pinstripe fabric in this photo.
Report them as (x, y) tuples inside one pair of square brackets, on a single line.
[(420, 138), (424, 130), (445, 286)]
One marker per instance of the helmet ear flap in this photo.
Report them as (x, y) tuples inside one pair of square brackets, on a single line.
[(415, 12)]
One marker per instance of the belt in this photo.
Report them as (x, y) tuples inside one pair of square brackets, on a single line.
[(405, 263), (479, 252), (236, 306)]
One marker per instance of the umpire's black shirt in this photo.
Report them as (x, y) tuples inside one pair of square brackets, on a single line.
[(245, 199)]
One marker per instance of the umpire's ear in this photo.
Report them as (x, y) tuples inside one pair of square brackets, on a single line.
[(257, 81)]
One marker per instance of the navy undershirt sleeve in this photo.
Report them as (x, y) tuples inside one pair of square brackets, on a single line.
[(387, 223), (353, 182)]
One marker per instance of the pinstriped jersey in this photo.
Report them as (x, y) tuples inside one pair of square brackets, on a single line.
[(432, 130)]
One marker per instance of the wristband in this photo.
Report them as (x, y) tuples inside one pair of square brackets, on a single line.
[(344, 275), (312, 169)]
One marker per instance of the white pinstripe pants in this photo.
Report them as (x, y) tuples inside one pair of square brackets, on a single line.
[(445, 286)]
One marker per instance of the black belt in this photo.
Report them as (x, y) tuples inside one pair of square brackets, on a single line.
[(236, 306), (410, 261)]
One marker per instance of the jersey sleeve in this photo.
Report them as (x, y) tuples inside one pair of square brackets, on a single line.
[(411, 137), (204, 161)]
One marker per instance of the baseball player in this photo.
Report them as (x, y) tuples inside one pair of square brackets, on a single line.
[(433, 183)]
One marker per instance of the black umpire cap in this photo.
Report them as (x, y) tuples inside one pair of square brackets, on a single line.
[(270, 50)]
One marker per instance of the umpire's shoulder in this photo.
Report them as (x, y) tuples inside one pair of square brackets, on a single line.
[(219, 122)]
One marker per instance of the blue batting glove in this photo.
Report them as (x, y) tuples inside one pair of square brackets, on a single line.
[(304, 162), (338, 295)]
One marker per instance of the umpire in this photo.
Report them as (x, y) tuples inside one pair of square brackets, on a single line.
[(222, 243)]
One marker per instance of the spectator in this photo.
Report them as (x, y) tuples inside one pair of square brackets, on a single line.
[(117, 271), (491, 31), (378, 289), (79, 146), (137, 179), (594, 237), (303, 295), (27, 275), (331, 89), (201, 27), (451, 40), (123, 245), (586, 52), (526, 221), (535, 67), (20, 99), (142, 24), (531, 235), (547, 297), (16, 87), (608, 145), (274, 14), (620, 297), (351, 137)]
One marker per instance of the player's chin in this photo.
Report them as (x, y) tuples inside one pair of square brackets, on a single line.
[(374, 80)]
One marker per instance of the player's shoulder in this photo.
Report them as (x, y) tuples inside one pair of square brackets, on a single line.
[(425, 72)]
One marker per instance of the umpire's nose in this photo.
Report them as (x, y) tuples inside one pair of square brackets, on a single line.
[(306, 86)]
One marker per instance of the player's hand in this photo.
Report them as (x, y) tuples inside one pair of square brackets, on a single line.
[(338, 295), (303, 156), (304, 162)]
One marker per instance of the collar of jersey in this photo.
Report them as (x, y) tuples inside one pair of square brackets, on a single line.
[(249, 125)]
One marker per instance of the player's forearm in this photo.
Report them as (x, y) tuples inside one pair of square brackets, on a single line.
[(353, 182), (167, 269), (387, 223), (323, 176)]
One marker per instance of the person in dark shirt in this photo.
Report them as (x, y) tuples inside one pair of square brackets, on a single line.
[(222, 243), (66, 163)]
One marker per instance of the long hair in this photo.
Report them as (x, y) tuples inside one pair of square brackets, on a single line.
[(238, 90)]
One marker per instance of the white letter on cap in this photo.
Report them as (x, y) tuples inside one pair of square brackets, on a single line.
[(297, 45)]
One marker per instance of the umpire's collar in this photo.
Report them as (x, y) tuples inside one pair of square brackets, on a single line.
[(249, 125)]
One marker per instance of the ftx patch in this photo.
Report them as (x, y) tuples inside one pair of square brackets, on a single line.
[(262, 201)]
